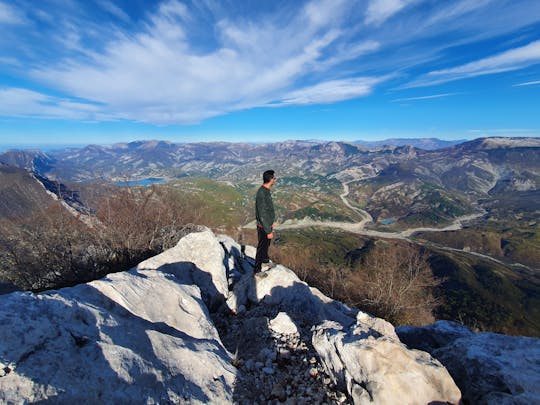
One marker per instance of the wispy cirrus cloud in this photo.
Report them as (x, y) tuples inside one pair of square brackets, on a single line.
[(331, 91), (426, 97), (159, 76), (512, 59), (173, 62), (10, 15), (379, 11), (533, 83), (17, 102), (113, 9)]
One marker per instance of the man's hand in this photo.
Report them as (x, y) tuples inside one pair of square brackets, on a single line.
[(270, 235)]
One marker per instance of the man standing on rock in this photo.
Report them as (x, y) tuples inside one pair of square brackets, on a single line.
[(264, 212)]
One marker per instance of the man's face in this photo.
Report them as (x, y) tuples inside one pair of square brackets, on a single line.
[(273, 181)]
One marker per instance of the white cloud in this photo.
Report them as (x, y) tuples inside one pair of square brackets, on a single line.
[(10, 61), (17, 102), (330, 91), (509, 60), (113, 9), (158, 75), (188, 61), (457, 9), (10, 15), (533, 83), (426, 97), (321, 13), (379, 11)]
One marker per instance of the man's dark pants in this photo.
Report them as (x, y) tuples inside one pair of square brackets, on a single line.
[(262, 249)]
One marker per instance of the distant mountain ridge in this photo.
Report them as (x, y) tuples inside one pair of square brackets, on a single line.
[(421, 143), (419, 186), (390, 189), (231, 161)]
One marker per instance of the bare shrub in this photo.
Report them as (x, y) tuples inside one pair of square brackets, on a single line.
[(44, 249), (395, 282), (55, 248), (138, 220), (296, 258)]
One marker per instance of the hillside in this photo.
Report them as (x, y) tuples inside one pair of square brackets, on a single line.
[(193, 325), (21, 193)]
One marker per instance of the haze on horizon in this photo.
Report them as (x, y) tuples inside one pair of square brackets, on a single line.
[(101, 71)]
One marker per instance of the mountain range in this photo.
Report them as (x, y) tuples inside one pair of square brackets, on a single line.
[(403, 184), (421, 143), (475, 205)]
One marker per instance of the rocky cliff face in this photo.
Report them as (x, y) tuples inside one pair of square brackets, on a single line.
[(193, 325)]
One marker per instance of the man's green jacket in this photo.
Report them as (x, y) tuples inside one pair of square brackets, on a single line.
[(264, 209)]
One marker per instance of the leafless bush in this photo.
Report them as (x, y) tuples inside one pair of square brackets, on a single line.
[(43, 249), (296, 258), (395, 282), (143, 219), (55, 248)]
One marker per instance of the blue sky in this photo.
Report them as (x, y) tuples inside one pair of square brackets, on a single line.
[(102, 71)]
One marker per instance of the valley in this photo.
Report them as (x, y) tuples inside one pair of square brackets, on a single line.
[(474, 206)]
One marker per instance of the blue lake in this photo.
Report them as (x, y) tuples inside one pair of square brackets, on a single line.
[(387, 221), (143, 182)]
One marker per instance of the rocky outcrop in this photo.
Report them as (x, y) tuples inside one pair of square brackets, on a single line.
[(140, 336), (197, 259), (360, 354), (375, 367), (490, 368), (151, 335)]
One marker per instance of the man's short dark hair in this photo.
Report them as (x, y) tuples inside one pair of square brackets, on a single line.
[(268, 175)]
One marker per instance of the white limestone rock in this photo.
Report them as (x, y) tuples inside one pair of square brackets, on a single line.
[(198, 258), (251, 251), (283, 324), (280, 286), (377, 368), (132, 337), (367, 324), (434, 336), (490, 368)]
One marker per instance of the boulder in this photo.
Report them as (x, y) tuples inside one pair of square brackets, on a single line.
[(132, 337), (198, 259), (283, 324), (281, 287), (489, 368), (373, 366)]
